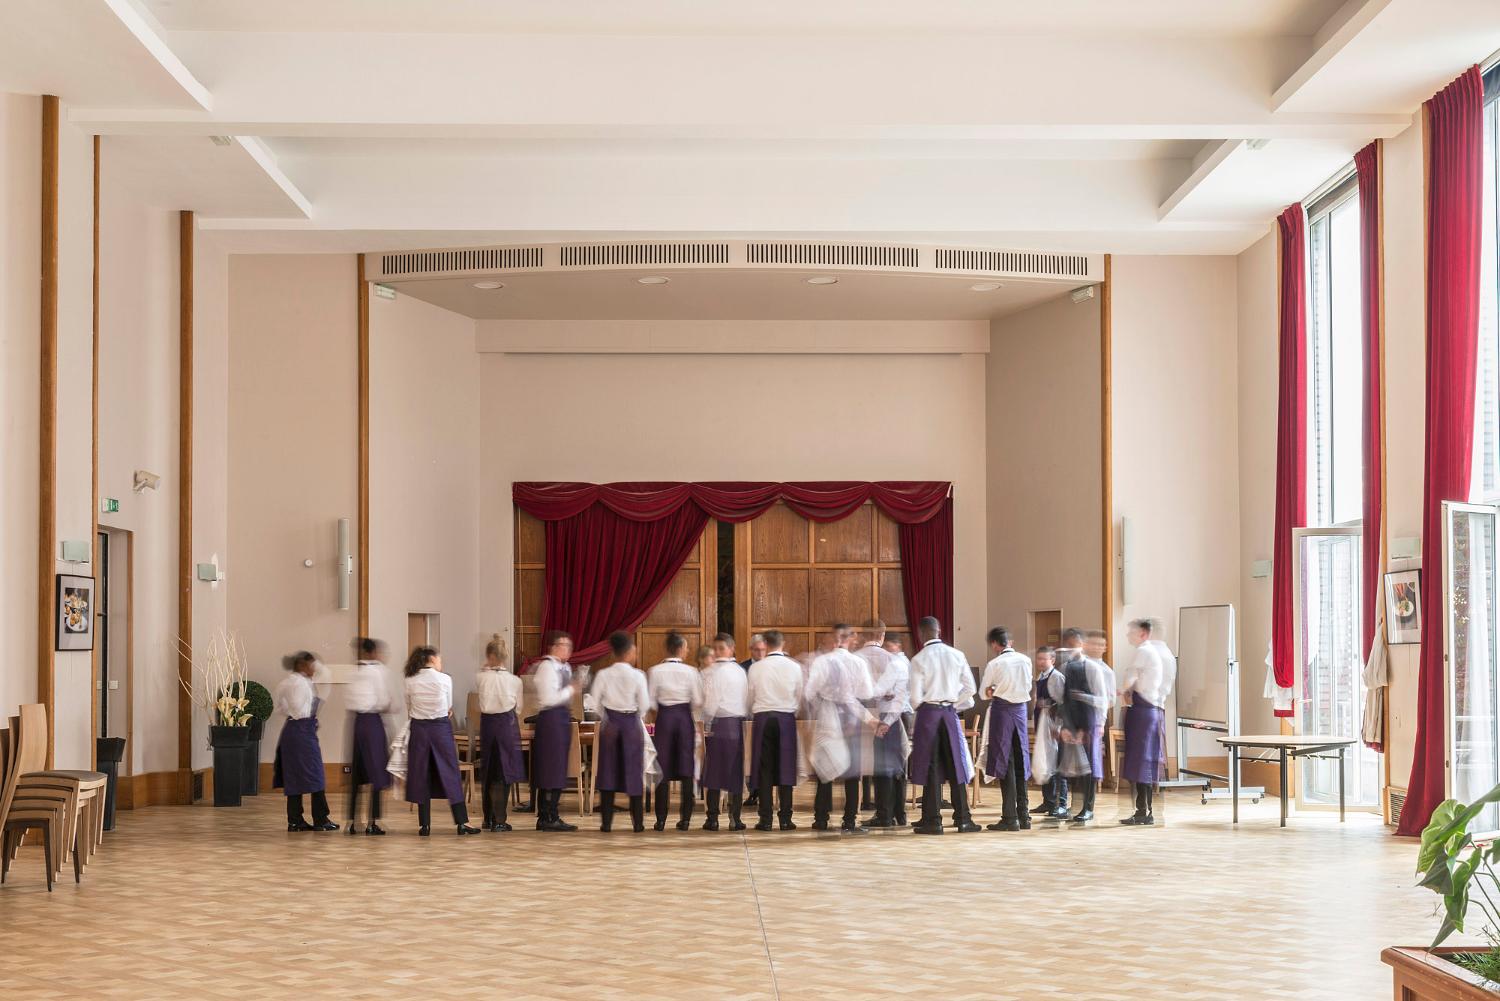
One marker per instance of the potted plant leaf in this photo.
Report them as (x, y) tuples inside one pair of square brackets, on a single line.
[(1460, 871), (258, 704), (219, 673)]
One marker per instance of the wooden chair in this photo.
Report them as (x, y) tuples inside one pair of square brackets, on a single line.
[(1113, 752), (973, 733), (82, 791), (465, 768), (19, 817), (468, 740), (575, 769)]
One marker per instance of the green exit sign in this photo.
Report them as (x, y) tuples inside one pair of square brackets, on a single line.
[(109, 505)]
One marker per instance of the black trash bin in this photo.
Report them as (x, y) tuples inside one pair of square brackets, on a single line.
[(111, 751)]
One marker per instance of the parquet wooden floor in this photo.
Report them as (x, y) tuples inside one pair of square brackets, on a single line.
[(223, 904)]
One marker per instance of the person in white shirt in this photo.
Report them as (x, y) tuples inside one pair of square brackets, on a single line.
[(368, 700), (757, 652), (299, 758), (888, 688), (1007, 751), (677, 692), (1147, 682), (431, 753), (942, 686), (899, 702), (838, 683), (1045, 749), (725, 708), (623, 700), (1089, 692), (499, 694), (552, 736), (774, 688)]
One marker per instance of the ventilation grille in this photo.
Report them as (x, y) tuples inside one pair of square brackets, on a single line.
[(428, 262), (845, 254), (1014, 262), (1397, 803), (597, 254)]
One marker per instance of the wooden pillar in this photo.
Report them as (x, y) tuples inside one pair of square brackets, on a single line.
[(1106, 449), (95, 694), (46, 602), (185, 230), (363, 293)]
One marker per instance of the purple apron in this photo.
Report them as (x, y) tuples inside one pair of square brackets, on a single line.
[(500, 747), (889, 761), (622, 754), (370, 752), (674, 741), (1143, 740), (299, 759), (1007, 720), (429, 749), (786, 731), (550, 743), (724, 755), (1085, 758), (930, 719)]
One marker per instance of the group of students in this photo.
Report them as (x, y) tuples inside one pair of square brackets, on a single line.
[(873, 715)]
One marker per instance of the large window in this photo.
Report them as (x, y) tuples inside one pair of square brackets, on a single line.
[(1335, 360), (1487, 409)]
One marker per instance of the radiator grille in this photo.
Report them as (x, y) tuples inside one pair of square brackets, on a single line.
[(1398, 803), (596, 254), (427, 262), (1014, 262), (844, 254)]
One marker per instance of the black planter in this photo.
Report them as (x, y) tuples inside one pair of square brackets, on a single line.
[(110, 752), (250, 777), (230, 745)]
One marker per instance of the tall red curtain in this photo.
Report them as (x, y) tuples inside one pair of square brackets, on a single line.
[(1367, 164), (1291, 442), (613, 548), (1455, 142)]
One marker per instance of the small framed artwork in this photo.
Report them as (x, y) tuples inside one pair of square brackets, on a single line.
[(1403, 607), (75, 612)]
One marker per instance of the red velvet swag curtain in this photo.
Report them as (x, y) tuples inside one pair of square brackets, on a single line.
[(1291, 442), (613, 548), (1367, 164), (1455, 138)]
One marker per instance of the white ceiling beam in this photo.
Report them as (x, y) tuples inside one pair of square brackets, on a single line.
[(1333, 38), (1212, 155), (144, 29), (266, 160)]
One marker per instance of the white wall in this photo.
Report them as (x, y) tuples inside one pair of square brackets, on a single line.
[(210, 452)]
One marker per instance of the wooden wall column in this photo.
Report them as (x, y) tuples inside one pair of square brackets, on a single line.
[(96, 560), (185, 503), (363, 571), (46, 601), (1106, 450)]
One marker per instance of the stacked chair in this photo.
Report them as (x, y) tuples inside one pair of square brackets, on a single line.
[(64, 806)]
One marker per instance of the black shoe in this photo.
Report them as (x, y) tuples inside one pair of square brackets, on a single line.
[(753, 799), (920, 828), (1059, 813), (299, 826), (820, 825), (1024, 824), (711, 824), (326, 825), (555, 825), (374, 830), (1139, 820), (465, 829), (424, 832), (499, 828), (866, 805), (1043, 810), (968, 827), (853, 829), (874, 822), (351, 829), (526, 808), (605, 826), (1004, 825), (899, 821), (764, 825), (787, 825), (1084, 816), (638, 828), (683, 825), (541, 824), (660, 825), (736, 825)]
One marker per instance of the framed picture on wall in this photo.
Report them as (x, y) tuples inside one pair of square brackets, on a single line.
[(75, 612), (1403, 607)]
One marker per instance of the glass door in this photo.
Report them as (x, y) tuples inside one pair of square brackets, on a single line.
[(1469, 608), (1330, 666)]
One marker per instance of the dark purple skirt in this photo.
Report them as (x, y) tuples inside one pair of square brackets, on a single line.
[(931, 719), (786, 731), (622, 755), (430, 749), (500, 747), (674, 741), (299, 759), (890, 762), (724, 755), (1007, 721), (550, 743), (371, 754), (1144, 757)]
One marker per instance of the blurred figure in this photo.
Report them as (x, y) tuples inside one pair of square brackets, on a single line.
[(1087, 695), (299, 757), (900, 685), (1095, 645), (704, 657), (1147, 682), (758, 650), (368, 700), (942, 686), (888, 694), (774, 689), (838, 683), (1007, 756), (676, 690), (725, 708), (552, 734), (1045, 748), (499, 694), (432, 755), (623, 700)]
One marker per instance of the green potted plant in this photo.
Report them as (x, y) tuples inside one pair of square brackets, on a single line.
[(218, 673), (258, 703), (1461, 872)]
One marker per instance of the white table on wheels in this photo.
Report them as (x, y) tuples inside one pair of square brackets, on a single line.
[(1288, 746)]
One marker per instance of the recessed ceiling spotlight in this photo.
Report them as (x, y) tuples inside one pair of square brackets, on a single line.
[(823, 280), (654, 280), (1256, 145), (222, 140), (984, 286), (487, 286)]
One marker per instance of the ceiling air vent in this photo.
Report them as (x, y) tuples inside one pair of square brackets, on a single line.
[(427, 262), (1014, 262), (857, 255), (600, 254)]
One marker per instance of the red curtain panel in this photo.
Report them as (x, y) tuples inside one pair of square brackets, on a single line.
[(927, 569), (1455, 172), (1291, 441), (1367, 164), (904, 501)]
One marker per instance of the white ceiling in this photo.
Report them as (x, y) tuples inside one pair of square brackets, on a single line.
[(1079, 125)]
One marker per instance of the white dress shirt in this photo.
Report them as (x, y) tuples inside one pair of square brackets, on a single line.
[(294, 696), (725, 688), (429, 694), (553, 681), (840, 680), (499, 690), (367, 692), (889, 681), (775, 684), (1147, 675), (1010, 675), (620, 688), (939, 673), (671, 683)]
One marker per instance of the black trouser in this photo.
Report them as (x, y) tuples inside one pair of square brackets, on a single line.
[(1054, 793), (735, 802), (1013, 805), (823, 802), (358, 776), (1083, 789), (867, 790), (664, 800), (496, 795), (943, 764), (770, 770), (547, 803), (319, 808), (1143, 795), (607, 810), (460, 812)]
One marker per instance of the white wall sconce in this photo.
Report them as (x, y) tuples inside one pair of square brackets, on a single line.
[(145, 481), (345, 566)]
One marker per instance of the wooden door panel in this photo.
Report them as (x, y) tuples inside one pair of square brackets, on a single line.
[(531, 539), (779, 536), (682, 602), (529, 598), (887, 539), (779, 599), (892, 602), (841, 595), (846, 541), (651, 645)]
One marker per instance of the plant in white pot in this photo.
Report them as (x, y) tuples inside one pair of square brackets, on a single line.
[(218, 690)]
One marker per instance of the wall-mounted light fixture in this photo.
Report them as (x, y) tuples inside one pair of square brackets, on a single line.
[(345, 565)]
